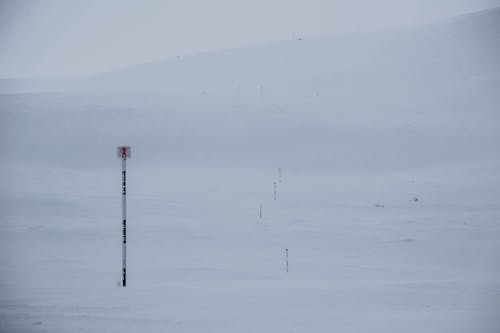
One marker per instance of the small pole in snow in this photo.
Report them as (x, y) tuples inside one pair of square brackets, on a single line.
[(261, 91), (123, 153), (274, 190), (279, 175), (286, 251), (260, 211)]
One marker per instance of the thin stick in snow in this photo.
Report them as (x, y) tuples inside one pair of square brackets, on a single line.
[(286, 251)]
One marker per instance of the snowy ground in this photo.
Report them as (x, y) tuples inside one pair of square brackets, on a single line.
[(364, 256), (200, 259)]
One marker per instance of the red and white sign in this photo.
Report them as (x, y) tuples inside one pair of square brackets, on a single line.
[(123, 152)]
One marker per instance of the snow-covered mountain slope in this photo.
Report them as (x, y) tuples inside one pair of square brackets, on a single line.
[(419, 59), (388, 204)]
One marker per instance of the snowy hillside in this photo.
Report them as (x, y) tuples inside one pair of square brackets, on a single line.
[(388, 204), (438, 54)]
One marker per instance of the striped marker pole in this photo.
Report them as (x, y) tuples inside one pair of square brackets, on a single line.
[(123, 153)]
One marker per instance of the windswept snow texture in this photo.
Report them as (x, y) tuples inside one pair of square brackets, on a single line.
[(389, 202)]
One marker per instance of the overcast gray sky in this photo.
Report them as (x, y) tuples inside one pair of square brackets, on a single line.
[(54, 38)]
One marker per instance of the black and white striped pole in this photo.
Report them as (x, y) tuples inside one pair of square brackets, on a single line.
[(123, 153)]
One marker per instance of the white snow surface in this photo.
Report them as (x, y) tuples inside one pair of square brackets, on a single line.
[(365, 125)]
